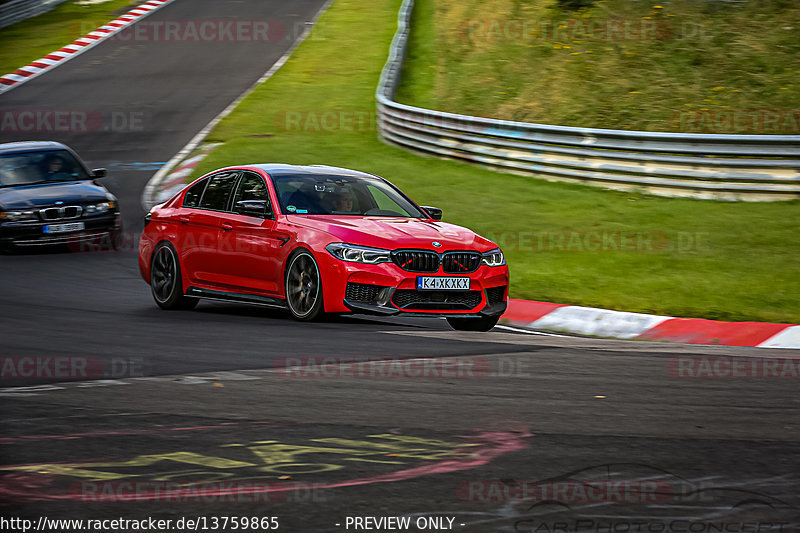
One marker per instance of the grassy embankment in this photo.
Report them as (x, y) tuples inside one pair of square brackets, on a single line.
[(705, 67)]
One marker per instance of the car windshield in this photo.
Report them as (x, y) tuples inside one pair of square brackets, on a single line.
[(345, 195), (25, 168)]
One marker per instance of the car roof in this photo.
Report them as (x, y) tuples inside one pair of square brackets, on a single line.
[(28, 146), (277, 169)]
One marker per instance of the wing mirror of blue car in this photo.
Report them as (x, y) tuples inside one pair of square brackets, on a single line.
[(98, 173), (253, 208), (434, 212)]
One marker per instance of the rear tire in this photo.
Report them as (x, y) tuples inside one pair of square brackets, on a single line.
[(165, 279), (303, 287), (473, 324)]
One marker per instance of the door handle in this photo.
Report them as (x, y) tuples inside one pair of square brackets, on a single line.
[(183, 220), (226, 226)]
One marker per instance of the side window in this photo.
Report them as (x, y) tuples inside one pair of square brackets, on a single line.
[(192, 197), (218, 192), (253, 191)]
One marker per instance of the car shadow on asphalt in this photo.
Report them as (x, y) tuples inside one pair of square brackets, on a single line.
[(244, 310)]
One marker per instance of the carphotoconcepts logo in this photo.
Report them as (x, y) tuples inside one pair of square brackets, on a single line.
[(599, 240), (722, 367), (755, 121), (70, 367), (639, 525), (70, 121), (238, 491), (568, 491), (568, 30)]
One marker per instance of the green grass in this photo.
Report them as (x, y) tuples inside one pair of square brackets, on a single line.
[(31, 39), (745, 267), (683, 66)]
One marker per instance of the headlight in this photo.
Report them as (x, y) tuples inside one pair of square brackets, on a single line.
[(102, 207), (493, 258), (15, 216), (358, 254)]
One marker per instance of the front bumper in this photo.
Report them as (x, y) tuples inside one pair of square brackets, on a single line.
[(386, 289), (488, 310), (30, 234)]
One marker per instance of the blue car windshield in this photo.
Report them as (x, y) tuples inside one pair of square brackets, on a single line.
[(341, 195), (25, 168)]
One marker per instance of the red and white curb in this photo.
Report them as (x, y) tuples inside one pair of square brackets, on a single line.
[(175, 181), (622, 325), (62, 55)]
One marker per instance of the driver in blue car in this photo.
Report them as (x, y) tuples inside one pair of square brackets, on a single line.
[(55, 170)]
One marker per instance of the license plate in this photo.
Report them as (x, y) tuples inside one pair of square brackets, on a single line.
[(441, 283), (63, 228)]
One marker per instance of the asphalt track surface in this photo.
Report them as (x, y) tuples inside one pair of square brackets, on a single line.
[(224, 411)]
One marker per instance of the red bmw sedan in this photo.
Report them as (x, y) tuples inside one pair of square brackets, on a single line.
[(318, 239)]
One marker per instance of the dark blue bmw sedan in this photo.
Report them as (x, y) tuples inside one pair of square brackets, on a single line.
[(49, 197)]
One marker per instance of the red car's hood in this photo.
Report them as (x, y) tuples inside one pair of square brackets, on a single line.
[(392, 233)]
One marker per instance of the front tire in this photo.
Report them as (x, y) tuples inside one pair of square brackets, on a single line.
[(473, 324), (303, 286), (165, 279)]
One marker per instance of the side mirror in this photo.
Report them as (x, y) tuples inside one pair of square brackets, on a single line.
[(99, 173), (253, 208), (434, 212)]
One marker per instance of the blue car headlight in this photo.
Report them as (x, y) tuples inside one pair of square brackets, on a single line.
[(100, 207), (358, 254), (493, 258)]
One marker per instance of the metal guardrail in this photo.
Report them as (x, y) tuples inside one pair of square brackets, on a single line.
[(18, 10), (706, 166)]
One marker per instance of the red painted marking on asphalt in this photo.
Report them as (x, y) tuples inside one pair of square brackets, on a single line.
[(493, 445)]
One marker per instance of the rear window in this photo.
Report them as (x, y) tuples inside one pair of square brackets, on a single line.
[(193, 195)]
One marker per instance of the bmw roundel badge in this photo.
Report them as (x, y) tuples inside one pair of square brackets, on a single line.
[(437, 244)]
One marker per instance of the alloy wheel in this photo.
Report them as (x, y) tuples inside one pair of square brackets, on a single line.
[(303, 286)]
